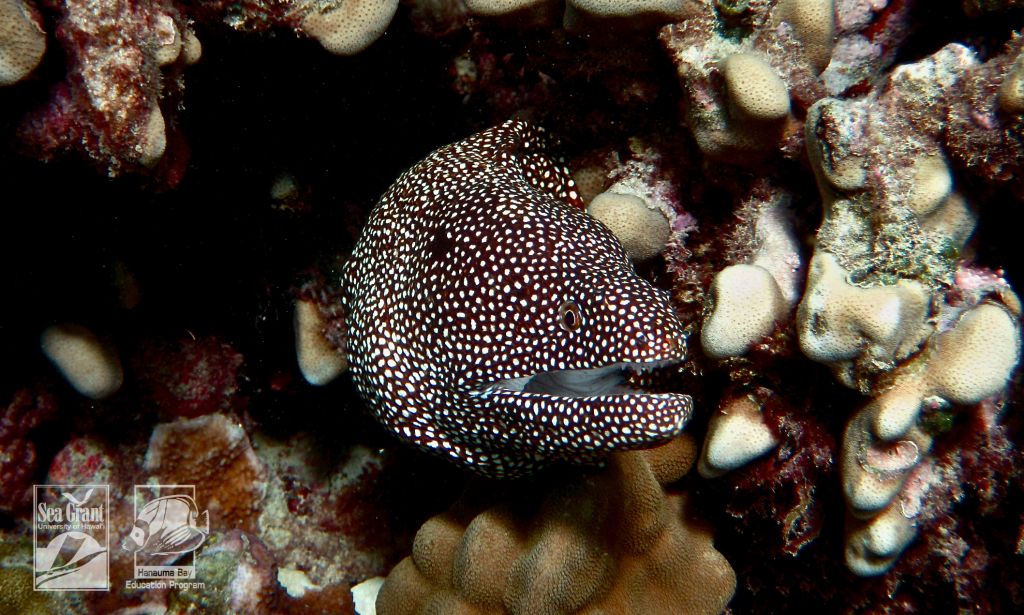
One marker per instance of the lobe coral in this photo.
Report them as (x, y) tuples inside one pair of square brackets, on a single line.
[(620, 542)]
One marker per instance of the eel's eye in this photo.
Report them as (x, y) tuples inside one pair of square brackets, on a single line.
[(569, 316)]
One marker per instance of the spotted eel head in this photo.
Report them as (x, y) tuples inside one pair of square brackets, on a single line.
[(492, 321), (563, 318), (577, 311)]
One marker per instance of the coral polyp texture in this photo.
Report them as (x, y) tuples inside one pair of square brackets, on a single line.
[(746, 303), (22, 41), (434, 303), (319, 361), (90, 366), (619, 542), (643, 230), (347, 27)]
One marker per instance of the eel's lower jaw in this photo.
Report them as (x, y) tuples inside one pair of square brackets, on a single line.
[(593, 382)]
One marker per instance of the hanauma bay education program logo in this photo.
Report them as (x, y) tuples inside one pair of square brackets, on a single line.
[(71, 537), (168, 528)]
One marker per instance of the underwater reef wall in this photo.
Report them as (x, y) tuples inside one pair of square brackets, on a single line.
[(824, 192)]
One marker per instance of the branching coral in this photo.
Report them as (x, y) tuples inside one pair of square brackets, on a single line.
[(886, 465), (737, 434), (889, 304), (857, 329), (748, 299), (899, 231)]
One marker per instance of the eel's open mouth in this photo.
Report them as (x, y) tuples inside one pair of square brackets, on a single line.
[(593, 382)]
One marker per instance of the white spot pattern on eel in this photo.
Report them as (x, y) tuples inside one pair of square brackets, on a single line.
[(490, 319)]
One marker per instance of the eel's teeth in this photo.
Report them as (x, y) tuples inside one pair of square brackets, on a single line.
[(645, 368)]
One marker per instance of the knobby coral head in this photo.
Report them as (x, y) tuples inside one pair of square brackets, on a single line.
[(491, 320)]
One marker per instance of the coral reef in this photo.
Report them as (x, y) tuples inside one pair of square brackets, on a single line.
[(817, 194), (210, 449), (328, 524), (273, 506), (22, 41), (90, 366), (16, 579), (887, 287), (117, 104), (319, 361), (346, 27), (616, 542), (27, 412), (883, 288), (738, 88), (983, 132), (745, 303), (642, 230), (109, 103), (241, 577), (191, 377)]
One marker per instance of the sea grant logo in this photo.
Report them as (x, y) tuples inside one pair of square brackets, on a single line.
[(168, 528), (71, 537)]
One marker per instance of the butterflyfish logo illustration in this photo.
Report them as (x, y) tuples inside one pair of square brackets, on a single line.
[(167, 530), (71, 537)]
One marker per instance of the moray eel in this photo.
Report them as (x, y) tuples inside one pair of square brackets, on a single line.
[(490, 320)]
